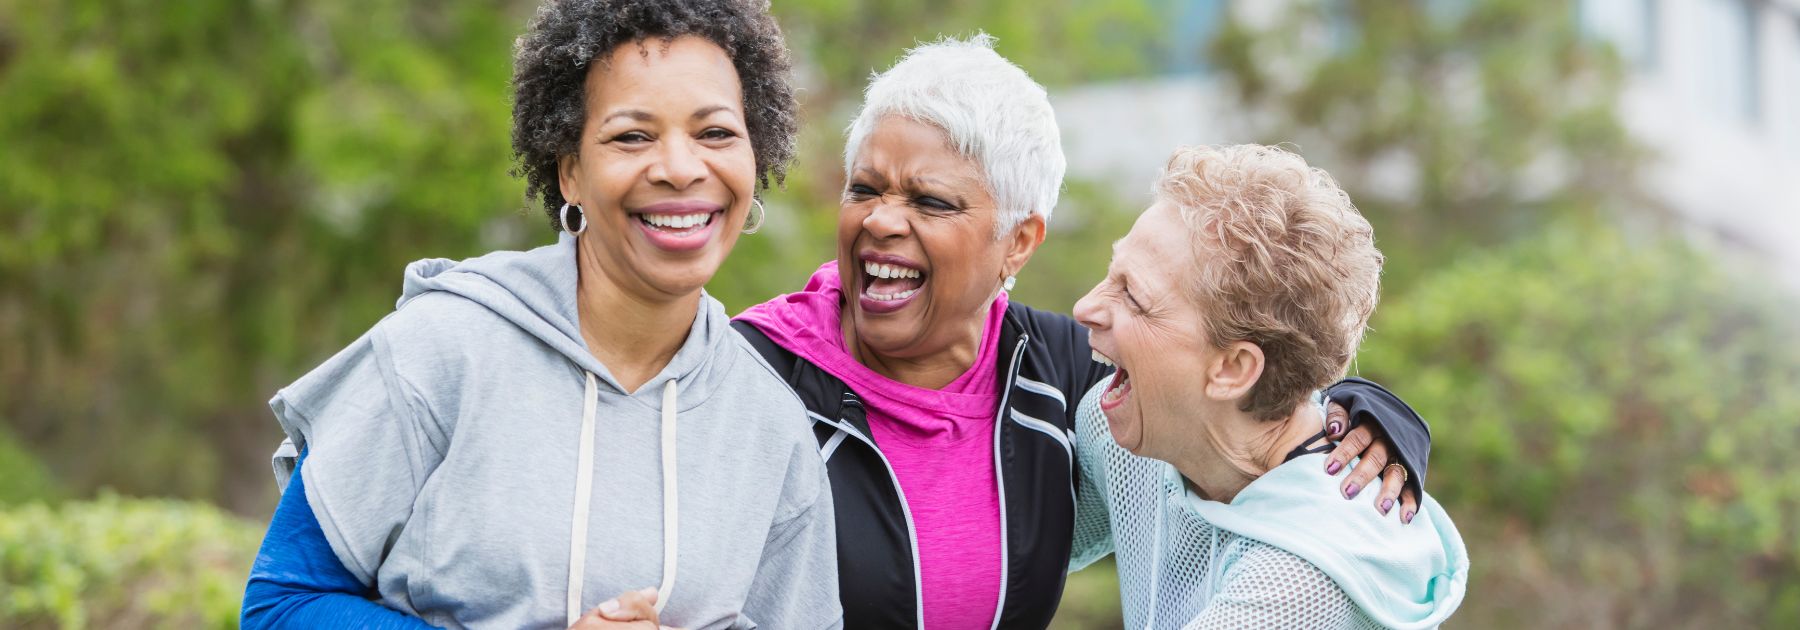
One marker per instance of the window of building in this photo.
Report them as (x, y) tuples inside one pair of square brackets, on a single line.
[(1727, 69), (1630, 26)]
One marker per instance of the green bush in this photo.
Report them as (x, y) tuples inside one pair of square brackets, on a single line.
[(22, 477), (1613, 425), (123, 563)]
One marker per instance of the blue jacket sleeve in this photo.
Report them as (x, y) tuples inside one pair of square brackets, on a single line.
[(298, 582)]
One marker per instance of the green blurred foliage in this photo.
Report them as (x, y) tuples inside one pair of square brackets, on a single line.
[(201, 200), (1614, 417), (1453, 124), (22, 477), (123, 563), (198, 199)]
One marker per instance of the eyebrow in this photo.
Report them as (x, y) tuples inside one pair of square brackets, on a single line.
[(644, 116), (708, 111), (634, 114)]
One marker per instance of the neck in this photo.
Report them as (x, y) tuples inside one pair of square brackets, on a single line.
[(933, 370), (629, 332), (1235, 449)]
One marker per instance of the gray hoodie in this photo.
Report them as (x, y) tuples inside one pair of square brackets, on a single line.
[(473, 462)]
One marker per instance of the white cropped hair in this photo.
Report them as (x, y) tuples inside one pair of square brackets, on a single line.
[(992, 112)]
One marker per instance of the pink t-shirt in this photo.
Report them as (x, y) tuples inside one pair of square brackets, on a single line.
[(939, 441)]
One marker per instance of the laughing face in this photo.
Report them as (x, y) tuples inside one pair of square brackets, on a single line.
[(1141, 319), (665, 171), (917, 251)]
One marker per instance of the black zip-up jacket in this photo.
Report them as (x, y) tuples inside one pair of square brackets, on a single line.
[(1046, 367)]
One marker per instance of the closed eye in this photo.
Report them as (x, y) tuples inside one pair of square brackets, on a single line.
[(934, 203), (1125, 289), (718, 133), (860, 190)]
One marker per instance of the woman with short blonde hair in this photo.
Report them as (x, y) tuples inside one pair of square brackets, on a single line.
[(1240, 292)]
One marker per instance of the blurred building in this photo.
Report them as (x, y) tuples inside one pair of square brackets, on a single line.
[(1713, 89)]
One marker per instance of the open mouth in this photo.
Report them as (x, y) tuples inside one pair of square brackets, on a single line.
[(677, 224), (681, 231), (1116, 390), (889, 283)]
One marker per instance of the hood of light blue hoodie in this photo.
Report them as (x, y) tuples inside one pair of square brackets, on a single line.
[(1402, 576)]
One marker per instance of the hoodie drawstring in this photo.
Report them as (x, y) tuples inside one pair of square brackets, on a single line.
[(671, 527), (584, 490), (584, 485)]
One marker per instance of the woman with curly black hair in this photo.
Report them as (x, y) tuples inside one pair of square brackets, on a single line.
[(574, 433)]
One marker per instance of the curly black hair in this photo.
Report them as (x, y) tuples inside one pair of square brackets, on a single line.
[(550, 65)]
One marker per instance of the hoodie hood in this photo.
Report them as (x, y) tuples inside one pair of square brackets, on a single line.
[(536, 290), (1401, 576)]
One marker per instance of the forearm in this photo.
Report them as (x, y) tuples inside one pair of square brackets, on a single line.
[(298, 582)]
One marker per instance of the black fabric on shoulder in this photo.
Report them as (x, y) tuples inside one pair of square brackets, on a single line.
[(1369, 402)]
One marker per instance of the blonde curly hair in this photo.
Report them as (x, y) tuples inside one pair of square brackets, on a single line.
[(1285, 261)]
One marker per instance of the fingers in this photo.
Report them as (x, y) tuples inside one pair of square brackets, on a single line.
[(1337, 420), (1373, 460), (639, 605), (1392, 480), (1353, 444), (1409, 505)]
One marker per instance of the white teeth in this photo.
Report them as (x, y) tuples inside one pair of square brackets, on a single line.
[(678, 221), (891, 297), (1101, 359), (883, 271)]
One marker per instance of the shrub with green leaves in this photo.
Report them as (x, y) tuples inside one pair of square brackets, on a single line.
[(123, 563), (1613, 419)]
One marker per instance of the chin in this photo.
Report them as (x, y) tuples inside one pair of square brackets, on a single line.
[(887, 335)]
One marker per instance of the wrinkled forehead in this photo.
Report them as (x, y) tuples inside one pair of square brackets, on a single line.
[(1159, 250), (916, 151)]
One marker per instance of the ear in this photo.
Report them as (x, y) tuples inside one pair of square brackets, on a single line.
[(568, 166), (1234, 371), (1023, 242)]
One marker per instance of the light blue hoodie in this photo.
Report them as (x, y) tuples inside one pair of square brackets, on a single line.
[(471, 460), (1287, 552)]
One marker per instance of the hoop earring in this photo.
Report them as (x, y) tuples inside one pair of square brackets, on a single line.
[(573, 219), (1011, 281), (755, 221)]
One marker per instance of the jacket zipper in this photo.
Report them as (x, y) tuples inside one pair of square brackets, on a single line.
[(912, 536), (1012, 375)]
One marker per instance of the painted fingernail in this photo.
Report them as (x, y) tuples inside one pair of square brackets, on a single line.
[(1406, 517), (1334, 427), (1386, 504), (1351, 490), (1332, 467), (609, 607)]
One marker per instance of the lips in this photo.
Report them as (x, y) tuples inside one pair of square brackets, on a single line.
[(678, 226), (889, 282)]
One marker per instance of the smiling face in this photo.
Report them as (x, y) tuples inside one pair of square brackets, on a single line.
[(1141, 319), (917, 251), (665, 171)]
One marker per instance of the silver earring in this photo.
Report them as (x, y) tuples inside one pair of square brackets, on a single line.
[(1011, 281), (757, 214), (573, 219)]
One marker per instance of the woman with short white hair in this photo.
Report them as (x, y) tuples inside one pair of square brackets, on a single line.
[(1240, 292), (944, 410)]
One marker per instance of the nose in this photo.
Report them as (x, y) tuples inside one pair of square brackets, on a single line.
[(887, 220), (1090, 313), (679, 165)]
